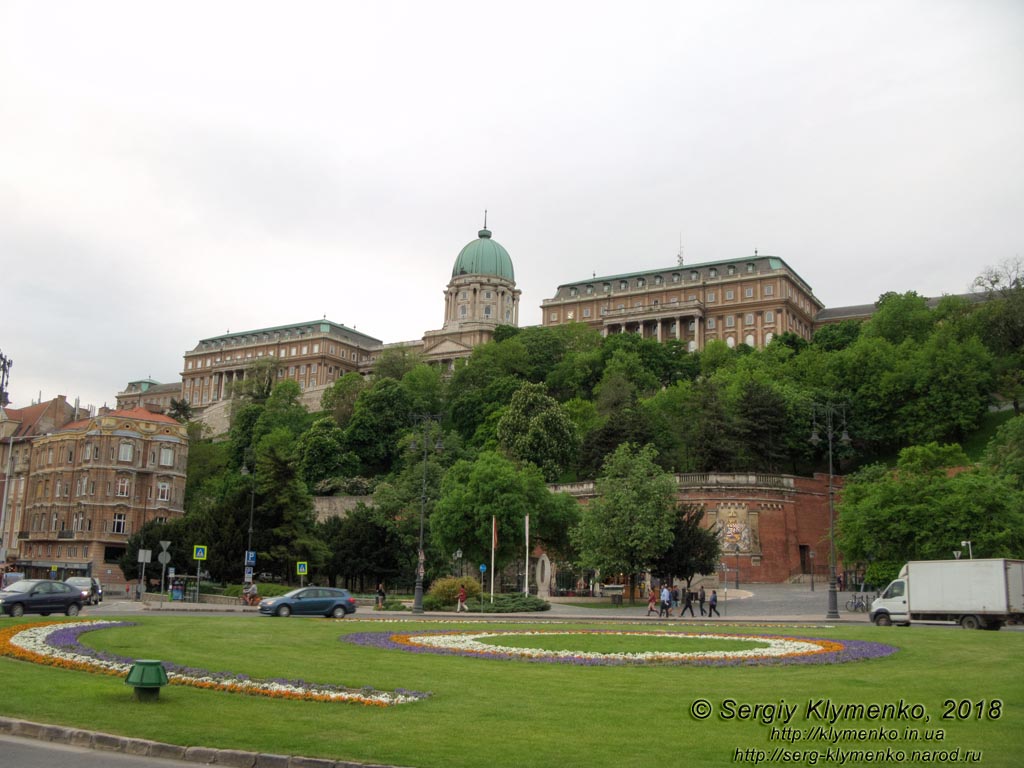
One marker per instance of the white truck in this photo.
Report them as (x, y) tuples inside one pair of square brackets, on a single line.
[(976, 594)]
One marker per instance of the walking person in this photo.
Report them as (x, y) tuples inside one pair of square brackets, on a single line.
[(713, 604), (666, 602), (652, 600), (380, 597), (687, 603), (701, 598), (462, 600), (675, 598)]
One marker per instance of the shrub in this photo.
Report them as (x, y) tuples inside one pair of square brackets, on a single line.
[(446, 591)]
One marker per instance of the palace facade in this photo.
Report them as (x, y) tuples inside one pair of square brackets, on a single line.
[(738, 301)]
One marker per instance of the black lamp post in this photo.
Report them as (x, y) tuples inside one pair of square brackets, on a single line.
[(737, 565), (424, 420), (252, 503), (811, 555), (833, 417)]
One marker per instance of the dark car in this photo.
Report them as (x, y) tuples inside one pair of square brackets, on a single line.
[(90, 588), (41, 596), (310, 601)]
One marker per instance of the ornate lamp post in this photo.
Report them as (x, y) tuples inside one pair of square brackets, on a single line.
[(424, 420), (811, 554), (832, 417), (737, 565), (244, 471)]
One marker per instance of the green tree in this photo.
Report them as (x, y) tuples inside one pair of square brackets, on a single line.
[(339, 399), (694, 548), (899, 317), (381, 414), (259, 381), (473, 492), (924, 508), (180, 410), (321, 453), (537, 429), (396, 362), (1004, 454), (628, 525)]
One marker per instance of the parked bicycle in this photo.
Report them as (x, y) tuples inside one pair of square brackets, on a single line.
[(857, 603)]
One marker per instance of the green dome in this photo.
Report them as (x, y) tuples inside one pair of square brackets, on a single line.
[(484, 257)]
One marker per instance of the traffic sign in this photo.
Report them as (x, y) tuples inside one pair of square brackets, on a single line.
[(250, 557), (483, 567), (301, 568), (199, 552), (145, 555), (164, 558)]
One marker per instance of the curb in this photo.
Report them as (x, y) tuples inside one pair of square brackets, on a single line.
[(77, 737)]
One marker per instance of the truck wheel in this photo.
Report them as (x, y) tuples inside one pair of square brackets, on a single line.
[(970, 622), (883, 620)]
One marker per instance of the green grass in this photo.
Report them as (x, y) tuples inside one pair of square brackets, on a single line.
[(516, 714)]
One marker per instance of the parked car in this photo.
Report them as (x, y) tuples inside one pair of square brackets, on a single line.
[(41, 596), (310, 601), (92, 592)]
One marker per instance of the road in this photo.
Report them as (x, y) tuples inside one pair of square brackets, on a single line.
[(29, 753)]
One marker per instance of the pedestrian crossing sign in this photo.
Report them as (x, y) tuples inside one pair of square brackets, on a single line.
[(199, 552)]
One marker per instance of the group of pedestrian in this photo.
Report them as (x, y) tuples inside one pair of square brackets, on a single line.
[(664, 602)]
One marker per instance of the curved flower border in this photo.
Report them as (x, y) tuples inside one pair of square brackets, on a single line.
[(777, 651), (56, 644)]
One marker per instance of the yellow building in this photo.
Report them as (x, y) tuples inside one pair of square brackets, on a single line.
[(740, 301)]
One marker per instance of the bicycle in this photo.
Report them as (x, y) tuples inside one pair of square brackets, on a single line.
[(857, 603)]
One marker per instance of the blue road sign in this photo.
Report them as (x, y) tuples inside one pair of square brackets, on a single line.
[(250, 557), (483, 567), (199, 552)]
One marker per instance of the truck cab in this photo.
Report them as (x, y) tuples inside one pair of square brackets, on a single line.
[(891, 606)]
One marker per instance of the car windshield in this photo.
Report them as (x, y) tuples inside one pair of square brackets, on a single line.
[(21, 586), (80, 582)]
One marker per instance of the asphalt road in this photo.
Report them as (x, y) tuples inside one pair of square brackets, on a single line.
[(29, 753)]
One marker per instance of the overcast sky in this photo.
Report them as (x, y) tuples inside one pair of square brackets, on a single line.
[(170, 172)]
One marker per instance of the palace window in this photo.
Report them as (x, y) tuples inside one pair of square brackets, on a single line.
[(769, 316), (751, 267), (711, 323), (732, 269), (623, 285), (120, 520), (590, 290), (125, 452), (748, 293), (640, 282), (123, 486), (769, 290), (711, 296), (730, 321), (586, 311), (749, 319), (712, 272), (729, 295), (166, 456), (163, 491)]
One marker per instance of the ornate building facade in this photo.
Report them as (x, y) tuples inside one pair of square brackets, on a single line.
[(90, 485), (480, 296), (739, 301)]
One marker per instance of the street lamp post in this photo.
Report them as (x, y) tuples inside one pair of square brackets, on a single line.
[(424, 420), (737, 565), (811, 553), (970, 549), (830, 414), (252, 503)]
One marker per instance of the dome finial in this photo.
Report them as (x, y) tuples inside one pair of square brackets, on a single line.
[(485, 218), (485, 232)]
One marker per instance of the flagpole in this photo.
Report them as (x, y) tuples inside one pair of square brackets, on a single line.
[(526, 570), (494, 544)]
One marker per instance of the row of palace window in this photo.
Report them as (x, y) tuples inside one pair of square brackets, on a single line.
[(749, 292), (125, 452), (295, 351), (641, 282), (86, 487), (729, 320)]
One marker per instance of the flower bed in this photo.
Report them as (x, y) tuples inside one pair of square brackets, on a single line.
[(775, 650), (56, 644)]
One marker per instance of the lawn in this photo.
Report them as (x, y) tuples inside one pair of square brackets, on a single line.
[(514, 713)]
